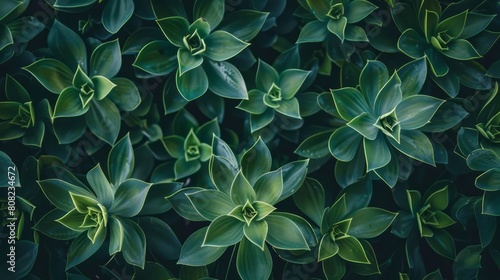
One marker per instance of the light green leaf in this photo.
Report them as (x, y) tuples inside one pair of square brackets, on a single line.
[(211, 204), (314, 31), (106, 59), (416, 145), (115, 14), (256, 161), (370, 222), (187, 61), (224, 231), (364, 124), (193, 253), (100, 185), (290, 81), (350, 103), (269, 186), (344, 143), (210, 10), (327, 248), (241, 190), (263, 209), (310, 199), (337, 27), (192, 84), (389, 96), (129, 198), (225, 80), (377, 154), (283, 233), (256, 232), (254, 104), (222, 45), (102, 86), (289, 108), (103, 119), (174, 28), (58, 193), (314, 146), (82, 248), (51, 73), (294, 174), (454, 25), (120, 161), (358, 10), (416, 111), (319, 8), (253, 262), (351, 250), (222, 149), (438, 200)]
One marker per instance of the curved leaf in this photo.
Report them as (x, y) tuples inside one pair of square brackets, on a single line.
[(193, 252), (370, 222), (222, 45), (67, 46), (224, 231), (225, 79), (252, 262), (106, 59), (103, 119), (115, 14), (51, 73), (256, 161)]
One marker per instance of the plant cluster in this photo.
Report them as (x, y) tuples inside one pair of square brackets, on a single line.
[(246, 139)]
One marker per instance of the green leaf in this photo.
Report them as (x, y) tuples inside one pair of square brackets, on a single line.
[(327, 248), (412, 44), (174, 145), (358, 10), (355, 33), (256, 233), (490, 202), (106, 59), (289, 108), (58, 193), (115, 14), (253, 262), (350, 103), (431, 20), (183, 206), (183, 122), (461, 49), (225, 80), (442, 243), (367, 269), (344, 143), (244, 24), (160, 238), (260, 121), (483, 160), (174, 28), (334, 268), (489, 180), (269, 186), (351, 250), (255, 103), (121, 161), (241, 190), (14, 91), (337, 27), (222, 45), (290, 81), (294, 174), (313, 31), (103, 119), (192, 84), (447, 116), (263, 209), (210, 11), (211, 204), (129, 198), (157, 57), (53, 229), (82, 248), (222, 149), (364, 124), (390, 172), (116, 235), (187, 61), (389, 96), (310, 199), (224, 231), (256, 161), (314, 145), (222, 173), (100, 185), (417, 110), (283, 233), (416, 145), (102, 86), (438, 200), (454, 25), (468, 262), (475, 23), (377, 153), (67, 46), (134, 243), (68, 130), (319, 8), (51, 73), (193, 253), (436, 61), (370, 222), (413, 75)]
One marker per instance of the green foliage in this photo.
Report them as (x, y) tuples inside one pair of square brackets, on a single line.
[(307, 139)]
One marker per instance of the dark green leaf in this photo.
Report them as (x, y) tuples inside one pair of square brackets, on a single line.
[(67, 46), (370, 222), (192, 84), (103, 119), (211, 11), (82, 248), (211, 203), (129, 198), (222, 45), (314, 31), (283, 233), (51, 73), (158, 57), (193, 252), (121, 161), (256, 161), (115, 14), (106, 59), (442, 243), (253, 262), (244, 24), (314, 146), (224, 231), (225, 80)]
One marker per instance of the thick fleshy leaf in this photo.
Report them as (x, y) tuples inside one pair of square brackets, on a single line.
[(129, 198), (224, 231), (334, 268), (210, 10), (103, 119), (187, 61), (390, 172), (367, 269), (161, 239), (225, 80), (253, 262), (412, 44), (447, 116), (289, 108), (51, 73), (157, 57), (82, 248), (310, 199), (255, 103), (120, 161), (269, 186), (211, 203), (290, 82), (115, 14), (454, 25), (106, 59), (436, 62), (370, 222), (192, 84), (102, 86), (483, 160), (355, 33), (442, 243), (314, 31), (344, 143), (358, 10), (438, 200), (193, 252), (413, 75), (294, 174), (183, 206), (53, 229), (327, 248), (256, 233), (14, 91), (314, 146), (372, 78), (260, 121), (222, 149), (337, 27), (100, 185), (58, 193), (174, 145), (244, 24), (416, 145), (67, 46), (468, 262), (431, 20), (377, 153), (241, 190), (489, 180), (364, 124), (256, 161), (389, 96), (350, 103), (116, 235), (283, 233), (490, 203), (222, 45), (222, 172), (134, 243), (350, 249), (461, 49), (174, 28), (416, 111)]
